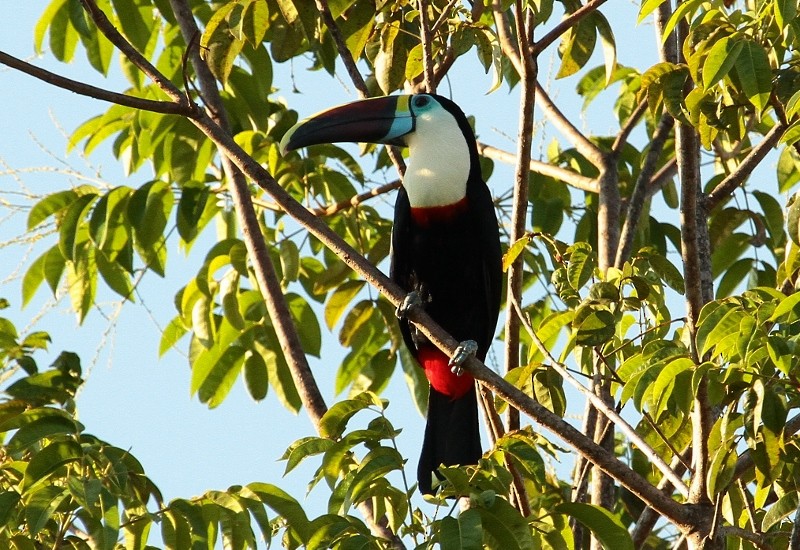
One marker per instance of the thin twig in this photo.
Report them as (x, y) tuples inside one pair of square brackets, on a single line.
[(356, 200)]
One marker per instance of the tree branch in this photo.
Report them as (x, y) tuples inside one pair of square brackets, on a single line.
[(519, 209), (745, 168), (639, 195), (687, 152), (356, 200), (427, 54), (569, 177), (585, 147), (630, 124), (567, 23), (110, 31), (507, 45), (165, 107)]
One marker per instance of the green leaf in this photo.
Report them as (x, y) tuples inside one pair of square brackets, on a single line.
[(339, 300), (755, 74), (63, 35), (514, 251), (41, 428), (355, 319), (504, 526), (41, 505), (108, 224), (222, 46), (415, 380), (82, 281), (171, 334), (548, 387), (191, 206), (49, 459), (376, 465), (720, 471), (306, 320), (215, 370), (792, 134), (255, 22), (148, 210), (683, 10), (33, 278), (334, 421), (50, 205), (788, 169), (286, 506), (785, 12), (787, 310), (647, 8), (577, 46), (582, 262), (280, 378), (115, 276), (256, 377), (783, 508), (390, 63), (44, 23), (603, 524), (304, 448), (667, 271), (720, 59), (290, 261), (137, 21), (414, 65), (594, 326), (71, 223), (608, 44)]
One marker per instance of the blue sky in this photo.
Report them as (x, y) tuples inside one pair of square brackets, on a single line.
[(132, 398)]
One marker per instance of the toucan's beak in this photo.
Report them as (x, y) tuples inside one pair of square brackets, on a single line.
[(377, 120)]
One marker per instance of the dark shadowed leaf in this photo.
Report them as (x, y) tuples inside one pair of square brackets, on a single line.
[(603, 524)]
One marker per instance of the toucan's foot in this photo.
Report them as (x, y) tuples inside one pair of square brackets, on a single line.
[(415, 298), (462, 353)]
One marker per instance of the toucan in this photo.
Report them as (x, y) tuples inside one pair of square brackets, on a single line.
[(445, 251)]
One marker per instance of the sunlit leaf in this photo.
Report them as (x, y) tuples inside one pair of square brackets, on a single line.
[(720, 59)]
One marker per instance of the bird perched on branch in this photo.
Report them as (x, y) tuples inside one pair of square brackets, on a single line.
[(445, 251)]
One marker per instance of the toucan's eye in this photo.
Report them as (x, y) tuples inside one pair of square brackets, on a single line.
[(421, 101)]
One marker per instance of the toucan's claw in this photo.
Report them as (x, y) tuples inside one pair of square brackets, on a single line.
[(462, 353), (415, 298)]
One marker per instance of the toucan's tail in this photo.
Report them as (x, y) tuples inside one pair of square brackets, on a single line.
[(452, 435)]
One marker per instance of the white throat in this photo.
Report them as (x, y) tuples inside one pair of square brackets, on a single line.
[(439, 162)]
